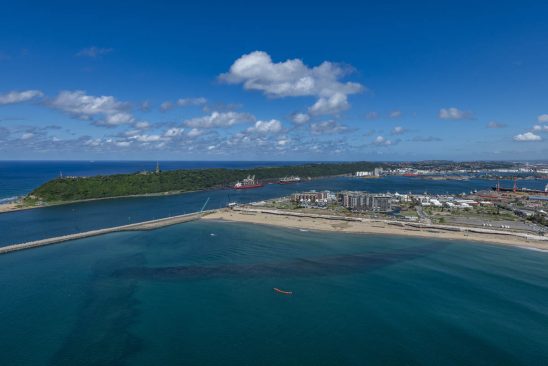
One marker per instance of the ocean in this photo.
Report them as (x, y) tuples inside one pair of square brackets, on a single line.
[(182, 296)]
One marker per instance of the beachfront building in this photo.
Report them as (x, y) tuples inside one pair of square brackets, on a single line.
[(310, 197), (362, 201)]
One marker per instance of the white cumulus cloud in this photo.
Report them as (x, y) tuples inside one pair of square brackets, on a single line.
[(527, 136), (266, 127), (103, 110), (336, 103), (292, 78), (382, 141), (19, 96), (174, 132), (220, 119), (540, 128), (142, 125), (300, 118), (147, 138), (283, 142), (398, 130), (195, 132)]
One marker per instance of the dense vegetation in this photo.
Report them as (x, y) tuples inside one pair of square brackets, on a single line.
[(73, 189)]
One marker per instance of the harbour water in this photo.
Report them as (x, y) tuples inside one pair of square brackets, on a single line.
[(180, 295)]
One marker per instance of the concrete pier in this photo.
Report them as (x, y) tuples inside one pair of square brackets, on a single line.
[(145, 225)]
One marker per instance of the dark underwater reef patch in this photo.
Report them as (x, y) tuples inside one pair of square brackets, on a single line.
[(318, 266)]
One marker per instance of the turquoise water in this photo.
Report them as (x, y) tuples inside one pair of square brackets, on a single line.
[(180, 296)]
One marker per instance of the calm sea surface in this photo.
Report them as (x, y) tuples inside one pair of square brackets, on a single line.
[(181, 296), (21, 226)]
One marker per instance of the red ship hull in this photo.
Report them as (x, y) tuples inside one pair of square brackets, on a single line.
[(250, 186)]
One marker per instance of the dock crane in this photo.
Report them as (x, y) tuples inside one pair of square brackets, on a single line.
[(205, 204)]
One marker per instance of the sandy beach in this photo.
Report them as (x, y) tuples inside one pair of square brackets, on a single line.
[(385, 227), (7, 207)]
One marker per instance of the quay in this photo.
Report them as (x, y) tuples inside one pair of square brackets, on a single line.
[(145, 225)]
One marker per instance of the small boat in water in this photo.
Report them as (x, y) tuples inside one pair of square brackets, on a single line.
[(282, 291)]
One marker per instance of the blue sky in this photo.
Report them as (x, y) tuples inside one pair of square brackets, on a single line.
[(385, 80)]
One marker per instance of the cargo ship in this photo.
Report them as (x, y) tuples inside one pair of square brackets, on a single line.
[(515, 189), (289, 180), (248, 183)]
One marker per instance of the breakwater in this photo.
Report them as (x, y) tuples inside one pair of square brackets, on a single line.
[(145, 225)]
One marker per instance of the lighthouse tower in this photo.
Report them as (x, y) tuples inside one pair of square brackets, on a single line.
[(158, 168)]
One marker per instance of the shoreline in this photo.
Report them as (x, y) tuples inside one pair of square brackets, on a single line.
[(340, 224), (313, 222), (12, 207)]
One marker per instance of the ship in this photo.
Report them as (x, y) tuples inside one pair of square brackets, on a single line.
[(289, 180), (248, 183), (515, 189)]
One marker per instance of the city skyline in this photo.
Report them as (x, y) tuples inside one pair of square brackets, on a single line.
[(390, 81)]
